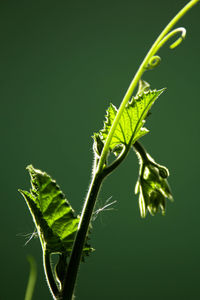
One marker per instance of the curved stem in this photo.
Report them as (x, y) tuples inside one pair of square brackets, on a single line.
[(147, 160), (138, 147), (138, 75), (49, 275), (109, 169)]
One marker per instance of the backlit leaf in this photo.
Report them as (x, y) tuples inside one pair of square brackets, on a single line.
[(130, 127), (53, 216)]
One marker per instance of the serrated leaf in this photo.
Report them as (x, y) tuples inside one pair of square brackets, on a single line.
[(53, 216), (130, 127)]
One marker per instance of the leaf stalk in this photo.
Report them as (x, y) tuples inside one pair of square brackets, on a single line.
[(49, 275)]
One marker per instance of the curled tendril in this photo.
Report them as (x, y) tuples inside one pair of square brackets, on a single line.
[(155, 60), (181, 30)]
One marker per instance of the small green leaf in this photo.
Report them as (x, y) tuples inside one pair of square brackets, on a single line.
[(143, 87), (130, 127), (98, 144), (52, 214)]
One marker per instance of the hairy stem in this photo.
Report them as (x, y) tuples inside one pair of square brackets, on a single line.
[(75, 259), (49, 275)]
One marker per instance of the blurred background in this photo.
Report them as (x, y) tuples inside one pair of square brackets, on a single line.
[(61, 64)]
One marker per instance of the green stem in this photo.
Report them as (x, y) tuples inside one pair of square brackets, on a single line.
[(138, 147), (49, 275), (75, 259), (32, 278), (156, 46), (109, 169)]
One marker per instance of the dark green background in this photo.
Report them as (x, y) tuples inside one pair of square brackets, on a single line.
[(61, 64)]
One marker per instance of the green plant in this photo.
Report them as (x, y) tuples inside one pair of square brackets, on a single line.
[(60, 230)]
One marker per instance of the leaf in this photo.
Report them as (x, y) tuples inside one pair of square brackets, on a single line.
[(52, 214), (98, 144), (143, 87), (130, 127)]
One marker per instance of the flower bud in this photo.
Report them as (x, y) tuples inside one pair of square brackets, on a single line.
[(152, 187)]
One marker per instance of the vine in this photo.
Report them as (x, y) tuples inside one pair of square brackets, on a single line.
[(62, 232)]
